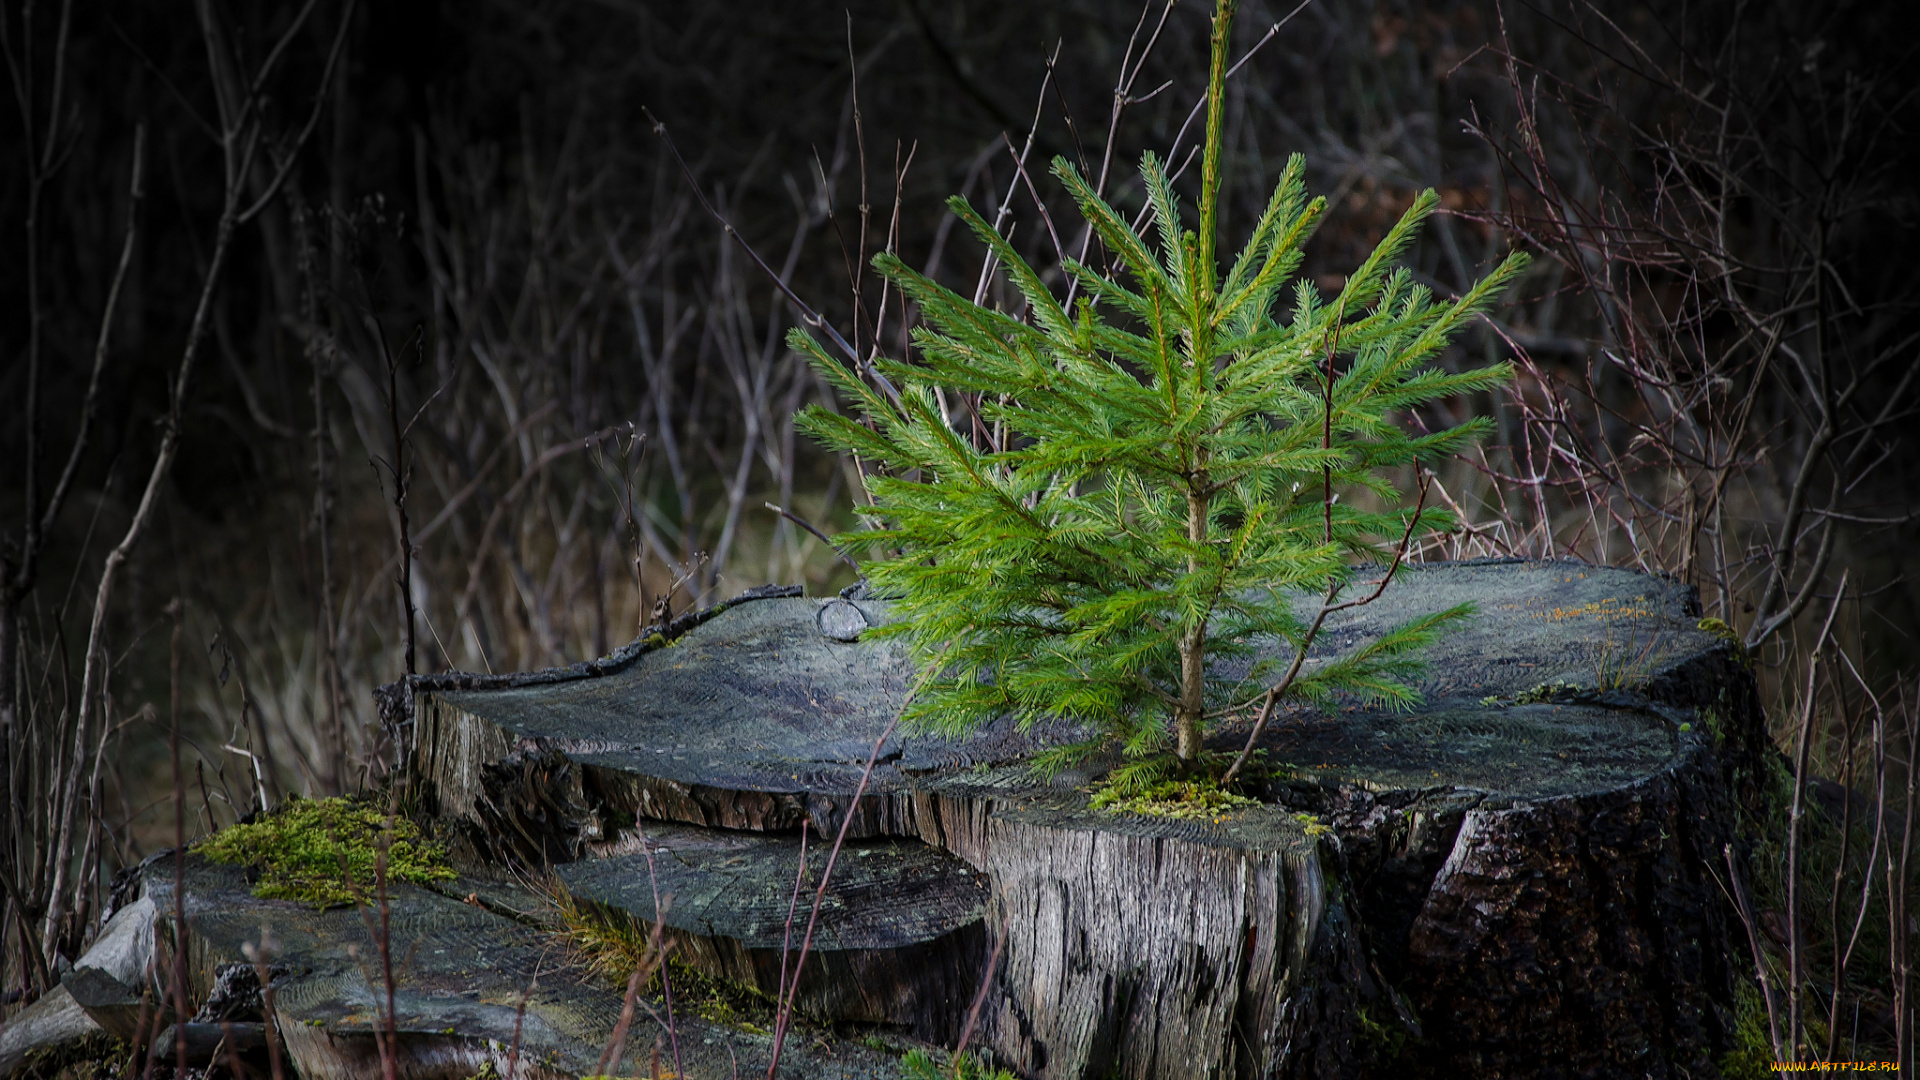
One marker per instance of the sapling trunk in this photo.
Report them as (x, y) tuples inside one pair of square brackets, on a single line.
[(1191, 714)]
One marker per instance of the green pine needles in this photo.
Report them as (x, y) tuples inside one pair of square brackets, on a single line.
[(1143, 488)]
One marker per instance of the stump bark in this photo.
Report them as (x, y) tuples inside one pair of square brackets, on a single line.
[(1513, 878)]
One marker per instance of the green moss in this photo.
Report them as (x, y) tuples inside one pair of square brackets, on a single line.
[(1544, 693), (325, 852), (98, 1054), (920, 1065), (1751, 1057), (1719, 628), (1188, 799), (718, 1001), (1311, 825), (1384, 1043), (1826, 855), (1541, 694), (1716, 725)]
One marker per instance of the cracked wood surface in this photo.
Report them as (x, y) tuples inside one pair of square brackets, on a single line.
[(1514, 863)]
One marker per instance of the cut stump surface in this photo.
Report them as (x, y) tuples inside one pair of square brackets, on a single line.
[(1520, 862)]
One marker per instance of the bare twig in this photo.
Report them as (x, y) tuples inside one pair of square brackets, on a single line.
[(822, 537), (980, 995), (181, 1008), (783, 1019), (793, 906), (1328, 606), (659, 922), (241, 135), (1744, 907), (807, 314), (261, 955), (1795, 961)]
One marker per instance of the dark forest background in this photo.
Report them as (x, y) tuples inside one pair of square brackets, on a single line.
[(340, 340)]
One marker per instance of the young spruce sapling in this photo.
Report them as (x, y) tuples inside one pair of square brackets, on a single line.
[(1087, 512)]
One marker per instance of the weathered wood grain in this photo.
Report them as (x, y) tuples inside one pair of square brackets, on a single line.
[(1518, 860), (901, 937), (54, 1021)]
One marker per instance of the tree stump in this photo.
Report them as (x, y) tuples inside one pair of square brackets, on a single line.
[(473, 991), (1515, 878)]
